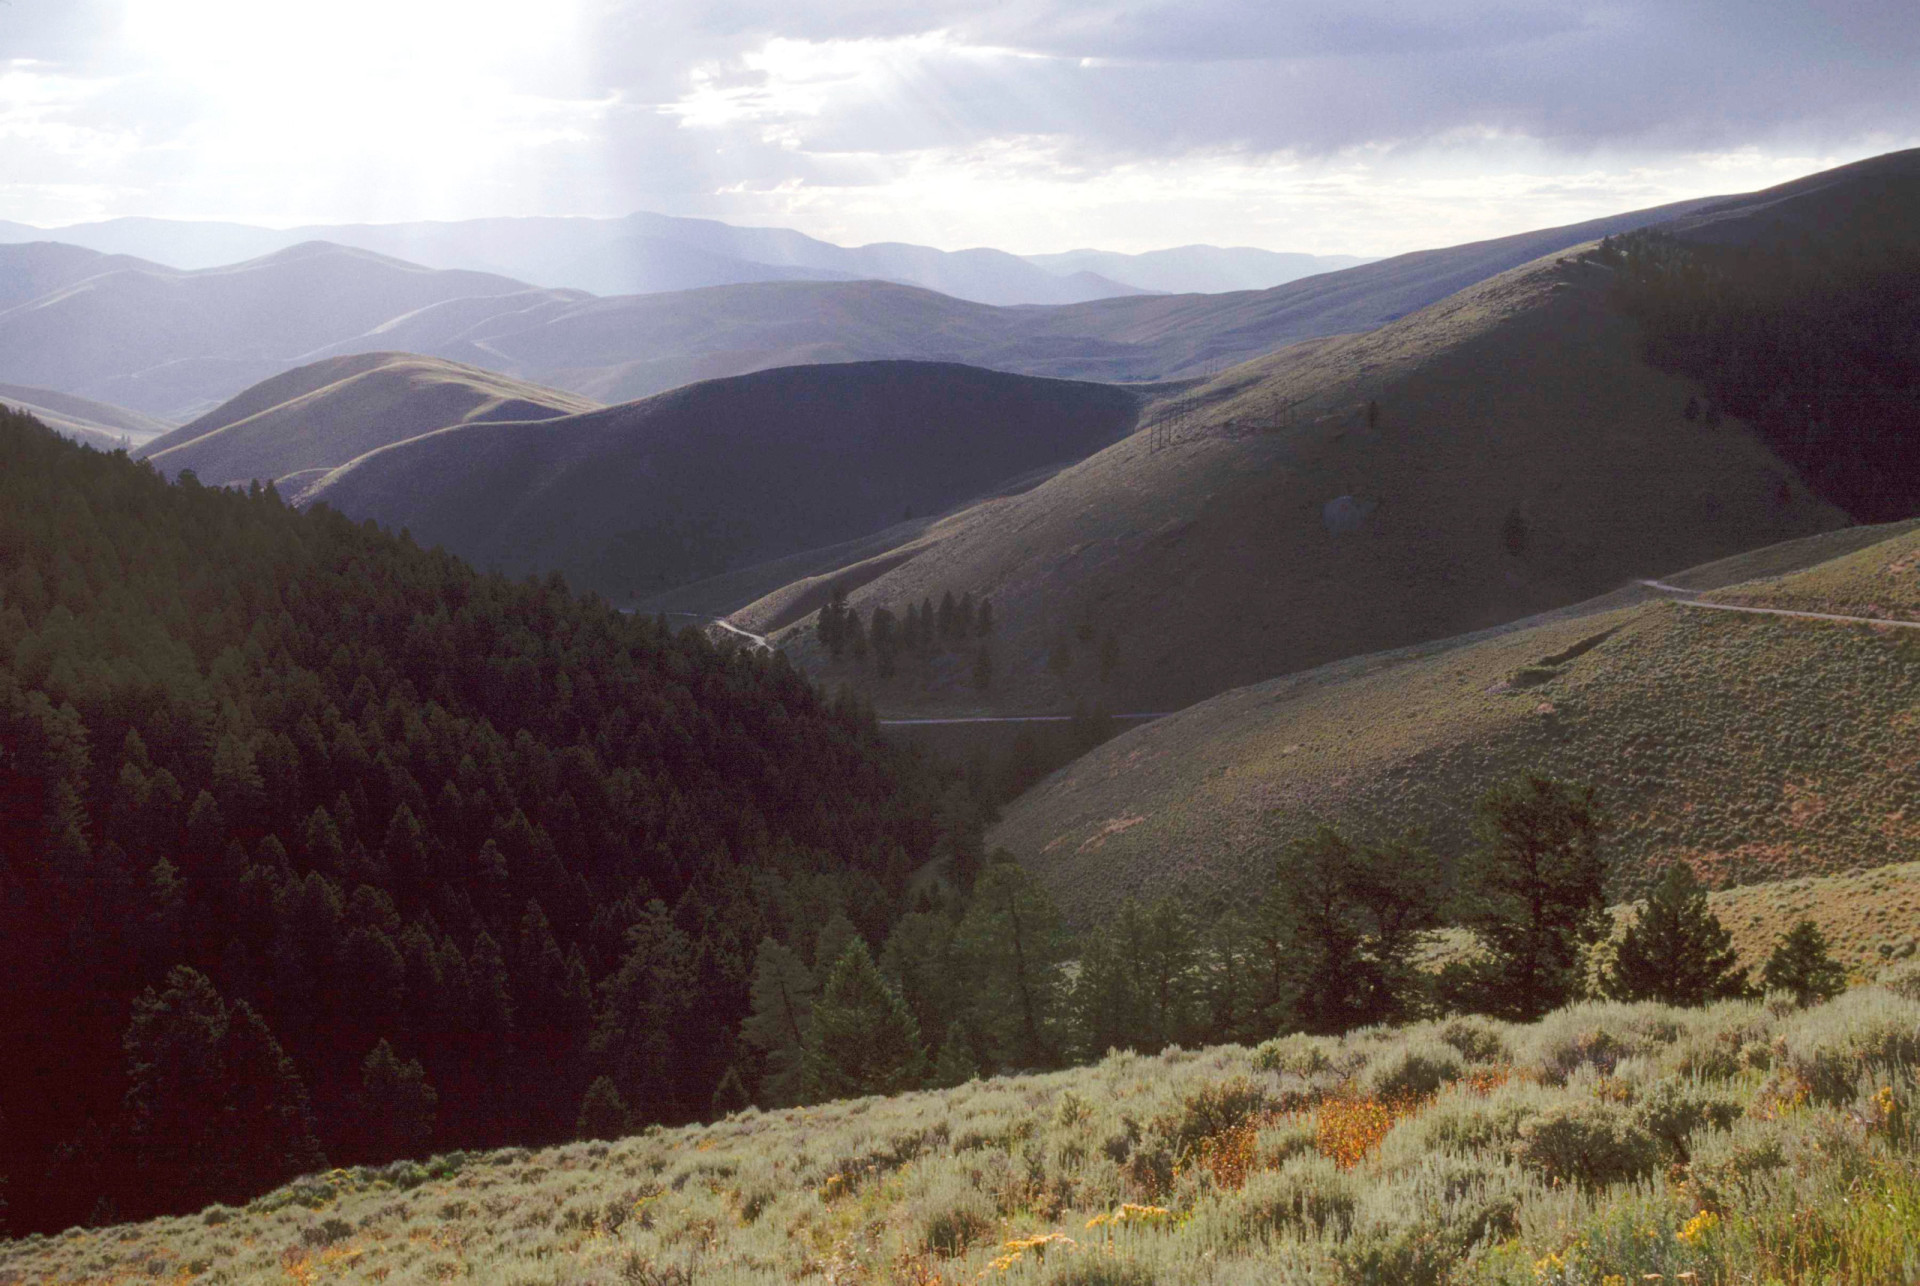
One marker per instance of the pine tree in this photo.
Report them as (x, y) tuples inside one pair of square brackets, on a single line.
[(862, 1039), (1802, 964), (1676, 951), (397, 1106), (178, 1077), (730, 1095), (1015, 949), (267, 1120), (947, 622), (603, 1113), (782, 993), (955, 1064), (983, 620), (1534, 889), (963, 616)]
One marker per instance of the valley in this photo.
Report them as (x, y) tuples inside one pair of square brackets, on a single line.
[(663, 751)]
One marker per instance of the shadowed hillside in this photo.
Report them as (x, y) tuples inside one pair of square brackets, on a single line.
[(636, 499), (1755, 747), (320, 416), (1519, 455)]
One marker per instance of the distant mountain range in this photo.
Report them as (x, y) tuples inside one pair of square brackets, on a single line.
[(174, 343), (650, 253)]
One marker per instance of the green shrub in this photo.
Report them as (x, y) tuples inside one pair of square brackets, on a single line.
[(956, 1227), (1298, 1055), (1309, 1195), (1864, 1032), (1588, 1142), (1902, 980), (1462, 1123), (1671, 1111), (1098, 1270), (1212, 1109), (1281, 1142), (1478, 1040), (1413, 1070), (1413, 1228)]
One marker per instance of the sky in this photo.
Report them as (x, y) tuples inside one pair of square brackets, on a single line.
[(1324, 126)]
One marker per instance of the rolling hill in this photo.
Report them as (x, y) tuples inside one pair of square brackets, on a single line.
[(173, 344), (1185, 270), (1506, 450), (618, 349), (639, 254), (297, 426), (1756, 747), (639, 498), (1522, 456), (107, 428)]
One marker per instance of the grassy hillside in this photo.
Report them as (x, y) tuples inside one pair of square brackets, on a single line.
[(1754, 747), (1520, 456), (320, 416), (174, 343), (1605, 1144), (637, 499), (103, 427)]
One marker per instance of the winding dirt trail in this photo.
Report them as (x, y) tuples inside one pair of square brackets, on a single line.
[(1689, 600)]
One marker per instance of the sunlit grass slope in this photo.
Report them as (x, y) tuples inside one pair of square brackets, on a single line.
[(321, 415), (1520, 457), (1747, 1142), (1755, 747)]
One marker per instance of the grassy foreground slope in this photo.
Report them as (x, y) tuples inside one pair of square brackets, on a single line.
[(1523, 457), (320, 416), (1746, 1142), (1756, 747), (639, 498)]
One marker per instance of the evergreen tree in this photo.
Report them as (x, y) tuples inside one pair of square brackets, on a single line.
[(645, 1015), (983, 620), (856, 634), (397, 1106), (947, 621), (178, 1080), (782, 1005), (730, 1095), (1676, 951), (929, 624), (955, 1064), (963, 616), (922, 962), (266, 1119), (1802, 964), (603, 1113), (1534, 890), (885, 643), (862, 1038), (1015, 950)]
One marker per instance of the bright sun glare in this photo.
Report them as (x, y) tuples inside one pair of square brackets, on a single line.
[(432, 87)]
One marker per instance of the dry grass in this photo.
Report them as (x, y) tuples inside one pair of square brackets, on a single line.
[(1759, 749), (1210, 559), (1603, 1144)]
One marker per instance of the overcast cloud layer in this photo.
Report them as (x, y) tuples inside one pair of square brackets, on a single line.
[(1357, 126)]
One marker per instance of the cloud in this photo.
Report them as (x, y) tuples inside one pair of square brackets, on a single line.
[(1207, 119)]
